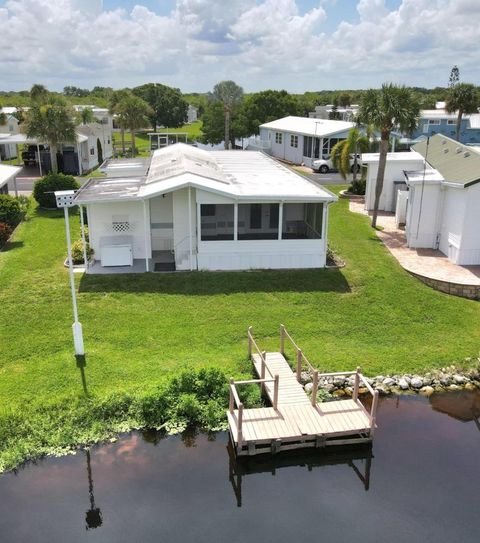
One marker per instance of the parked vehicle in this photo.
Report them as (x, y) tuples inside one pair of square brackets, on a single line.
[(29, 154), (325, 165)]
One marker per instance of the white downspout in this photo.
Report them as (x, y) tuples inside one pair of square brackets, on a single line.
[(190, 227), (147, 268), (280, 220)]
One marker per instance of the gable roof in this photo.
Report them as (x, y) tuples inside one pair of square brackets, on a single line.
[(239, 175), (309, 126), (457, 163)]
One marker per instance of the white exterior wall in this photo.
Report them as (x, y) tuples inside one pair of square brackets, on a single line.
[(181, 233), (452, 223), (100, 217), (283, 150), (426, 210), (470, 242), (393, 172)]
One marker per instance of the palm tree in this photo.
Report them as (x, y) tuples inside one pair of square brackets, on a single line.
[(115, 99), (38, 93), (355, 143), (53, 123), (390, 107), (86, 116), (133, 113), (230, 95), (462, 98)]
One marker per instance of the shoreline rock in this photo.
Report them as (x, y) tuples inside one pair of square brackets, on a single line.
[(435, 381)]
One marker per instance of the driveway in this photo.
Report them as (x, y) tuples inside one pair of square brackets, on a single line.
[(331, 178)]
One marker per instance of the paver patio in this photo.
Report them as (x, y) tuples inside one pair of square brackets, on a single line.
[(428, 263)]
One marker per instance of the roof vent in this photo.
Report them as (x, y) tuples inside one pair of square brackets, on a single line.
[(445, 150), (458, 150), (444, 142), (466, 153)]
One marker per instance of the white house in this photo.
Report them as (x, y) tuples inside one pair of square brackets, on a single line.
[(300, 139), (207, 210), (8, 175), (443, 205), (192, 114), (394, 178), (94, 143), (344, 113)]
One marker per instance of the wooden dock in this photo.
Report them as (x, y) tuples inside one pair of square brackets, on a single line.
[(294, 419)]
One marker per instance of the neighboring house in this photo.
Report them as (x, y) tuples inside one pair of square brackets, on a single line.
[(344, 113), (192, 114), (300, 140), (8, 176), (93, 145), (438, 121), (196, 209), (443, 205), (394, 178), (435, 191)]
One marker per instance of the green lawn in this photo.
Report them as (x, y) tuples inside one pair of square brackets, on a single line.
[(142, 141), (140, 328)]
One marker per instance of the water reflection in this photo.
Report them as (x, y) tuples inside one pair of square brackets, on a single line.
[(93, 517), (463, 406), (239, 467)]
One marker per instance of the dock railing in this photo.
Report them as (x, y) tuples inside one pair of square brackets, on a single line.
[(252, 345), (302, 360)]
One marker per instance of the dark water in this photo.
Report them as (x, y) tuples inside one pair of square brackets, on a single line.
[(420, 482)]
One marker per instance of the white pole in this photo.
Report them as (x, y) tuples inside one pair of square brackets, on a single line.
[(76, 326), (146, 235), (15, 186), (199, 228), (280, 220), (235, 221), (39, 160), (190, 226), (85, 260)]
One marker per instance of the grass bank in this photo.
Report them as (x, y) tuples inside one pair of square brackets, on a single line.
[(140, 331)]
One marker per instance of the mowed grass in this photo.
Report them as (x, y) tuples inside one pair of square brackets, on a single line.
[(139, 329), (142, 141)]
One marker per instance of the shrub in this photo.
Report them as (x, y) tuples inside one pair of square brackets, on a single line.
[(5, 233), (77, 251), (358, 187), (44, 188), (24, 203), (10, 210)]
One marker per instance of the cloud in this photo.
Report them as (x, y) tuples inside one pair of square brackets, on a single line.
[(258, 43)]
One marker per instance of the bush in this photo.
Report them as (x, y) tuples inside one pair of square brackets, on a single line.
[(77, 252), (5, 233), (10, 210), (24, 203), (44, 188), (358, 187)]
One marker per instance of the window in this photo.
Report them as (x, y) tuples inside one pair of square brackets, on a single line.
[(92, 150), (258, 221), (302, 221), (433, 121), (451, 121), (314, 220), (216, 222), (293, 141), (278, 137)]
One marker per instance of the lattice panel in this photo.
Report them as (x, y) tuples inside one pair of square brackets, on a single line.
[(121, 227)]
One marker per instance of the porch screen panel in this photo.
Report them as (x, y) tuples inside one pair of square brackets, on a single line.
[(258, 221), (216, 222), (314, 220)]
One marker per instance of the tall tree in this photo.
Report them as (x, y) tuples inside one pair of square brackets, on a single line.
[(454, 78), (115, 98), (51, 122), (168, 106), (230, 95), (345, 99), (86, 116), (263, 107), (390, 107), (134, 113), (463, 98), (355, 143), (39, 93)]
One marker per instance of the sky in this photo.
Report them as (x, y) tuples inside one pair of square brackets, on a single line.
[(297, 45)]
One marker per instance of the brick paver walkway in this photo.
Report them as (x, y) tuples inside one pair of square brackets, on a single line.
[(425, 262)]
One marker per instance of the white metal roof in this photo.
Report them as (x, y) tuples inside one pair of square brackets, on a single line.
[(429, 176), (20, 139), (309, 126), (403, 156), (240, 175), (7, 173)]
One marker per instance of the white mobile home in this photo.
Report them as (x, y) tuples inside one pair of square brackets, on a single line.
[(8, 175), (394, 179), (443, 205), (300, 140), (222, 210)]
